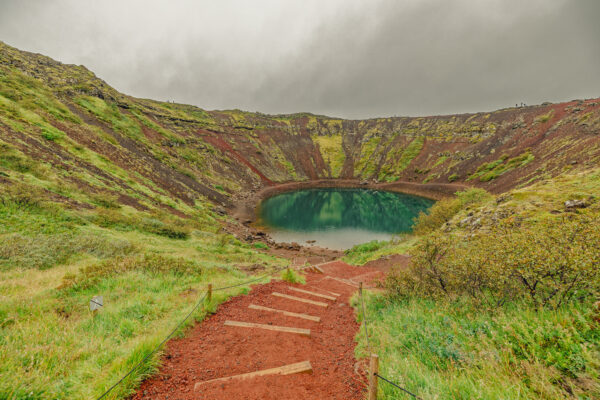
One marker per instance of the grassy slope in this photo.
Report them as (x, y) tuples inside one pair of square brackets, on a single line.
[(68, 106), (54, 260), (460, 350), (98, 198)]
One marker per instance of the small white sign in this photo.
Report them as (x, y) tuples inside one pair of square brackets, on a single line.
[(96, 303)]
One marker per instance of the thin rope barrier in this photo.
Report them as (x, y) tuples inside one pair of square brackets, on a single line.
[(135, 367), (155, 349), (365, 323), (399, 387)]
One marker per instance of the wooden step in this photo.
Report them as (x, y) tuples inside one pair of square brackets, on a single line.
[(314, 268), (286, 313), (300, 331), (289, 369), (286, 296), (323, 290), (313, 293), (345, 281)]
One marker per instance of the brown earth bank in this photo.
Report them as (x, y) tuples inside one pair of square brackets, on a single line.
[(212, 350)]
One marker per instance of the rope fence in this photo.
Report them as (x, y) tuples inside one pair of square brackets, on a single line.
[(208, 294), (374, 358)]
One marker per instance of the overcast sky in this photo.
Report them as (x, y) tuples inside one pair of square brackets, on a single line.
[(346, 58)]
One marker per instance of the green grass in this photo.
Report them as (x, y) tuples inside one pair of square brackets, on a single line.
[(109, 112), (449, 351), (363, 253), (53, 260)]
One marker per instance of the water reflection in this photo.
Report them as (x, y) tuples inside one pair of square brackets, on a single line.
[(344, 210)]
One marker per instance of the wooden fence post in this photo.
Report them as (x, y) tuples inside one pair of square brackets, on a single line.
[(373, 370), (209, 294)]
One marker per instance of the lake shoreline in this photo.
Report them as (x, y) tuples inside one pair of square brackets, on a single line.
[(246, 203)]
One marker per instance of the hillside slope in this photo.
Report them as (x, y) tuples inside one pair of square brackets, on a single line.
[(80, 138)]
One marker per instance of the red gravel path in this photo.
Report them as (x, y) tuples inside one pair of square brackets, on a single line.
[(211, 350)]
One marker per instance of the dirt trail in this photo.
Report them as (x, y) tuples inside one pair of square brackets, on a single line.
[(212, 350)]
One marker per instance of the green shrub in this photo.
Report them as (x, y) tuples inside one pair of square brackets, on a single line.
[(260, 245), (292, 276), (453, 177), (224, 239), (549, 263), (22, 196), (440, 213), (14, 160), (544, 117), (443, 210)]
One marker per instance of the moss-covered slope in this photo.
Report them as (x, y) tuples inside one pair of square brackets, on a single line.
[(66, 130)]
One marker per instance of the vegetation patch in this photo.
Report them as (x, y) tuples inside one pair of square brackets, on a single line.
[(494, 169), (395, 168), (443, 210), (332, 152), (545, 264), (291, 276), (363, 253)]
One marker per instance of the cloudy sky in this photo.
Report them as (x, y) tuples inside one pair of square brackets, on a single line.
[(344, 58)]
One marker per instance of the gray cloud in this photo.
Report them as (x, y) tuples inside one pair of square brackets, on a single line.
[(347, 58)]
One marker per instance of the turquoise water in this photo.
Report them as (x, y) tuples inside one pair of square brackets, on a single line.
[(339, 218)]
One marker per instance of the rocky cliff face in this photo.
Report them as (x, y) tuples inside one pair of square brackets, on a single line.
[(69, 133)]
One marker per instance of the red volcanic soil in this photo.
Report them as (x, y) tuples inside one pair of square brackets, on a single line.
[(226, 147), (212, 350)]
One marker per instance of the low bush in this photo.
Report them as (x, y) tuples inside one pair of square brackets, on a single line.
[(442, 211), (492, 170), (291, 276), (166, 229), (548, 263), (21, 196)]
